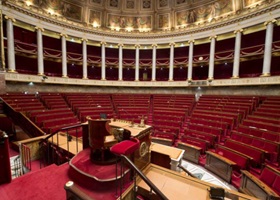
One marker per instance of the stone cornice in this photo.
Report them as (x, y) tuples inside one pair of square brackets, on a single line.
[(262, 80), (233, 19)]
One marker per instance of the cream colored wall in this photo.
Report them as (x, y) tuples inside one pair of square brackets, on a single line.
[(2, 83), (240, 90)]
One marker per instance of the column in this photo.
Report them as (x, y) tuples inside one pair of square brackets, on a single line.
[(2, 52), (120, 62), (11, 44), (103, 59), (237, 48), (137, 46), (85, 73), (268, 47), (191, 43), (212, 58), (154, 61), (40, 55), (64, 55), (171, 61)]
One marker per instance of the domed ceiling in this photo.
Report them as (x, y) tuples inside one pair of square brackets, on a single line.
[(143, 15)]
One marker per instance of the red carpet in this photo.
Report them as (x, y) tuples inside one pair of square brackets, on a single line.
[(93, 176), (82, 163), (47, 183)]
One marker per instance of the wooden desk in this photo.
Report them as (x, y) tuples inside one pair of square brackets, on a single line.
[(255, 187), (177, 186), (175, 154), (192, 152), (219, 165), (135, 130)]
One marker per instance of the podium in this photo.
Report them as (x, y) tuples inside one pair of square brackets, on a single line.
[(142, 133), (100, 140)]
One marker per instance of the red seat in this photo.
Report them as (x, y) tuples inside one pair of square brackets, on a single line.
[(125, 147), (268, 176), (276, 185)]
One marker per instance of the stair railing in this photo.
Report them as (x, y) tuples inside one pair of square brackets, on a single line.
[(16, 168), (52, 145), (144, 178), (25, 158), (186, 171), (23, 121)]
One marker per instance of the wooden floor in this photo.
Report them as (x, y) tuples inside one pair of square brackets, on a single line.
[(75, 145)]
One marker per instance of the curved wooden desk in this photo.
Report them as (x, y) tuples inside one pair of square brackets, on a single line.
[(177, 186)]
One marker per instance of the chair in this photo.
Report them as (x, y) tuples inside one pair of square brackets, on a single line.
[(126, 147), (100, 140)]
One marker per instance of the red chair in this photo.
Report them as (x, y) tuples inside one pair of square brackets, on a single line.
[(124, 148)]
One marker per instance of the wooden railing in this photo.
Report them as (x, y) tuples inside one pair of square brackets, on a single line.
[(23, 121), (25, 158)]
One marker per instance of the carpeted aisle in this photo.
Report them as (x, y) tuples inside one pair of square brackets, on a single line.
[(45, 184), (48, 183)]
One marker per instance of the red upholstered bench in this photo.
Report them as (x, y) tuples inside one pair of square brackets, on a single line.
[(268, 176), (276, 185), (240, 160), (267, 186)]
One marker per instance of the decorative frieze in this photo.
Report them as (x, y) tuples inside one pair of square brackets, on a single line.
[(162, 19), (269, 80)]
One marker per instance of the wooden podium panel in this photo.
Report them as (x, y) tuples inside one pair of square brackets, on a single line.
[(175, 155), (142, 156), (192, 152), (219, 165)]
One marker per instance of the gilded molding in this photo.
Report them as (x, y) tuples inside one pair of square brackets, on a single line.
[(191, 41), (238, 31), (39, 28), (12, 71), (63, 35), (266, 74), (11, 18), (213, 37), (84, 39), (273, 21)]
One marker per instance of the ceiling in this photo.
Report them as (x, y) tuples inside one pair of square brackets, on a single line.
[(143, 15)]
